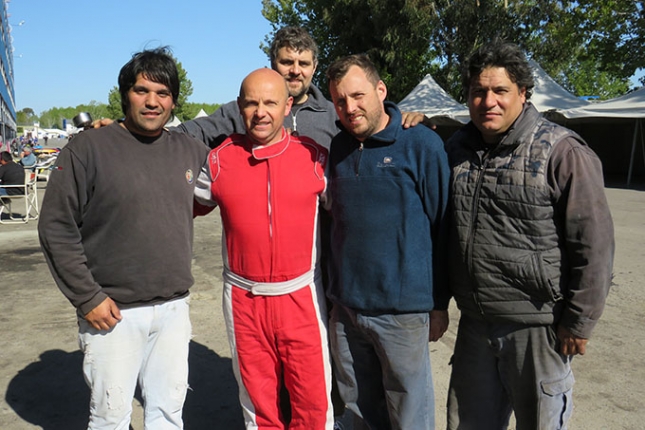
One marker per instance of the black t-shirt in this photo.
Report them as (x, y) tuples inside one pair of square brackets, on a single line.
[(12, 174)]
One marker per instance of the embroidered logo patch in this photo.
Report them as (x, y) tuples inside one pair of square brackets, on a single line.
[(190, 177), (387, 162)]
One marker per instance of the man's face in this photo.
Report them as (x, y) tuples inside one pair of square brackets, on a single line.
[(264, 103), (359, 104), (494, 102), (150, 105), (297, 68)]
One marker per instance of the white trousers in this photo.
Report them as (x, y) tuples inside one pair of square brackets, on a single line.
[(149, 346)]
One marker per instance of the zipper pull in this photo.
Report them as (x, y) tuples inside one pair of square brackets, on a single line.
[(479, 305)]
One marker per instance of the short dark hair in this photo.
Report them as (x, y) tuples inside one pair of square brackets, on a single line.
[(296, 38), (499, 53), (339, 68), (156, 65), (6, 156)]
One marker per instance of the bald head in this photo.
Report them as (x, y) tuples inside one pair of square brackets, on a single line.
[(259, 76), (264, 101)]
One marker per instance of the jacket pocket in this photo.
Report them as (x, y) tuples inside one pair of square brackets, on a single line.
[(547, 290)]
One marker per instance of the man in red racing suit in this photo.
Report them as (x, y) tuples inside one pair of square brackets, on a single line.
[(267, 185)]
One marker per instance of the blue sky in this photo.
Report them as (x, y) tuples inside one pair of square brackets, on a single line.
[(69, 52)]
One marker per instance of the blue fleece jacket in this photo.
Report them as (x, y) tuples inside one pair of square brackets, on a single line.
[(389, 197)]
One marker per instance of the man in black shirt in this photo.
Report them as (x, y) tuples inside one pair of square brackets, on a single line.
[(11, 173)]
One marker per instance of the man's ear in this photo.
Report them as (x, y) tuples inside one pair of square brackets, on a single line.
[(381, 89), (287, 108)]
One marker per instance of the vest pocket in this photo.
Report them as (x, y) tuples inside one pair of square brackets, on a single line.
[(547, 290)]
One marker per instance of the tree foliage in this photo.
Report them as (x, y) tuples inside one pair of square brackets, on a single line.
[(185, 91), (394, 33), (586, 45), (26, 116), (53, 118), (114, 110), (192, 109)]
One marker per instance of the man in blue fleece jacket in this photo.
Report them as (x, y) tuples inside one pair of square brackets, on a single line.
[(389, 191)]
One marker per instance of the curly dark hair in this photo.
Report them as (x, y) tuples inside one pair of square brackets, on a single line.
[(499, 53), (295, 38)]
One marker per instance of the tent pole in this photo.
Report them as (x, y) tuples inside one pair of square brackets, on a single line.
[(631, 158)]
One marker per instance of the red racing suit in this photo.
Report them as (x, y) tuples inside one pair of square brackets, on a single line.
[(274, 304)]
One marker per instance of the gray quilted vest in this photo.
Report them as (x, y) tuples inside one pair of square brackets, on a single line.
[(506, 260)]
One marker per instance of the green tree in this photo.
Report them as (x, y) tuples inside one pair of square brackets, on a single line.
[(408, 38), (96, 109), (192, 109), (26, 116), (53, 118), (185, 91), (114, 110), (394, 33), (587, 79)]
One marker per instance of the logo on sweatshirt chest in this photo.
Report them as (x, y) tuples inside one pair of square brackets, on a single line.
[(190, 177), (387, 162)]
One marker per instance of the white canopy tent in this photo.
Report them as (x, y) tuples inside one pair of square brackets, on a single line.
[(605, 125), (611, 117), (429, 98), (548, 95), (630, 105), (173, 121)]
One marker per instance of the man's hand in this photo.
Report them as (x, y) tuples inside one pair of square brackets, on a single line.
[(438, 324), (104, 316), (411, 119), (570, 344), (98, 123)]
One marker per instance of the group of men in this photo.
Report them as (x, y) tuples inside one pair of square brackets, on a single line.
[(509, 218)]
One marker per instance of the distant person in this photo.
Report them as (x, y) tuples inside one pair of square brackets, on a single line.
[(389, 192), (267, 185), (531, 251), (11, 173), (116, 229), (46, 138), (27, 157)]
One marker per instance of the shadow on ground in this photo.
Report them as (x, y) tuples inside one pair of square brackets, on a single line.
[(51, 393)]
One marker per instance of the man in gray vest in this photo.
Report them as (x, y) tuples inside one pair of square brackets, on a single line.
[(531, 251)]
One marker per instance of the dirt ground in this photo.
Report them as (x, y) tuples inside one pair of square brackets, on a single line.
[(40, 364)]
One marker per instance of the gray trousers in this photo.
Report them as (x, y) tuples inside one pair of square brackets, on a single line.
[(383, 368), (499, 368)]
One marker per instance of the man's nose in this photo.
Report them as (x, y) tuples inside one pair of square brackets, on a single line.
[(490, 100), (152, 99)]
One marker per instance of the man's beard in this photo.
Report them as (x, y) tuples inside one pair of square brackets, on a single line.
[(299, 94)]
